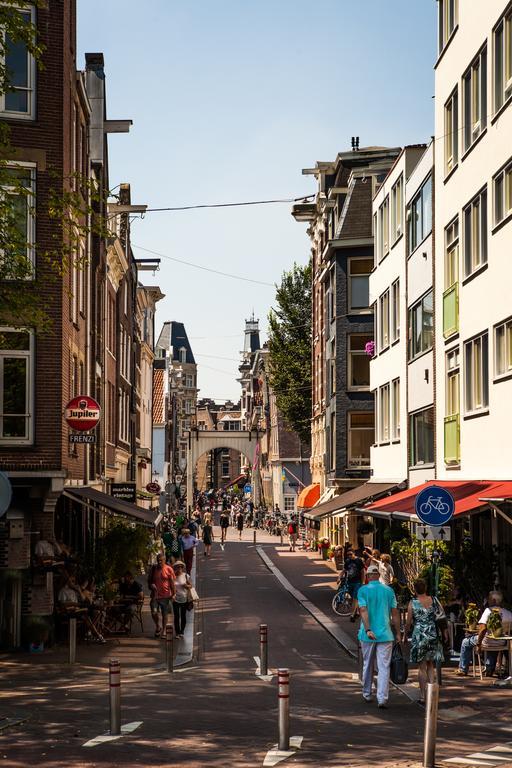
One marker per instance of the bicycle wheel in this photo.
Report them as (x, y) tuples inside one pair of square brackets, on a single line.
[(342, 604)]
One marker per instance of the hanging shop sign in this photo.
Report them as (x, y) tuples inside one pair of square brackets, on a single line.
[(124, 491), (153, 488), (82, 413)]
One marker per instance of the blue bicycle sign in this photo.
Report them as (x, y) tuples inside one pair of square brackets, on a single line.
[(434, 505)]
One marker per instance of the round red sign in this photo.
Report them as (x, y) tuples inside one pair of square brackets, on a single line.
[(82, 413), (153, 488)]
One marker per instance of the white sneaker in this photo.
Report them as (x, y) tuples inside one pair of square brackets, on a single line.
[(367, 697)]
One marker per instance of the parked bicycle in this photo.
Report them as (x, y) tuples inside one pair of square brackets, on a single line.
[(342, 600)]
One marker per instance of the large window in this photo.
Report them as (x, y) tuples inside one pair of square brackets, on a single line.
[(502, 184), (397, 210), (421, 326), (19, 101), (289, 503), (18, 226), (384, 321), (360, 438), (452, 417), (419, 216), (475, 233), (503, 349), (384, 431), (384, 229), (395, 311), (503, 60), (395, 410), (451, 132), (476, 373), (447, 20), (359, 284), (16, 384), (422, 437), (358, 362), (451, 279), (474, 94)]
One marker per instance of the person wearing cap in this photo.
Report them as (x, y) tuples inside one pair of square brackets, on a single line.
[(181, 598), (380, 623)]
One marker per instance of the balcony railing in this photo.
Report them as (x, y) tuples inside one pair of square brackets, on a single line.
[(451, 310), (452, 439)]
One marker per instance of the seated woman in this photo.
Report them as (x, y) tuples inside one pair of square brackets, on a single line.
[(72, 604)]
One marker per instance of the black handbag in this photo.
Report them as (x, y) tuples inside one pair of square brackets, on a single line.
[(399, 669)]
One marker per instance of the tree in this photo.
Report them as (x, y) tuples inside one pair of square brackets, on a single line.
[(290, 349)]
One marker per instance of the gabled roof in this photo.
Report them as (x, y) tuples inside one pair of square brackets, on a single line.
[(173, 337)]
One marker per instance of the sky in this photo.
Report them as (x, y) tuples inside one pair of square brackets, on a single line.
[(230, 99)]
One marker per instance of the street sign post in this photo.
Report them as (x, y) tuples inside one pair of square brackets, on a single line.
[(247, 488), (434, 506), (433, 533)]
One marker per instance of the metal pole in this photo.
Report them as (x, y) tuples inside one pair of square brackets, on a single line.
[(263, 649), (429, 745), (72, 641), (254, 536), (114, 680), (169, 648), (283, 679), (281, 537)]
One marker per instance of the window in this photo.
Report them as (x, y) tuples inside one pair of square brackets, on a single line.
[(451, 278), (452, 382), (395, 311), (358, 362), (384, 413), (384, 321), (422, 437), (19, 100), (359, 284), (447, 20), (476, 373), (397, 215), (419, 216), (395, 408), (19, 187), (188, 407), (189, 380), (16, 385), (384, 229), (225, 467), (503, 61), (360, 438), (503, 194), (475, 233), (503, 349), (333, 440), (421, 326), (377, 253), (332, 368), (451, 132), (183, 355), (474, 94), (289, 503)]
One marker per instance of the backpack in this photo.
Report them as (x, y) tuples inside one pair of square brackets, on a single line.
[(292, 528)]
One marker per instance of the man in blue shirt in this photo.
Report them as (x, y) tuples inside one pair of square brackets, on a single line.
[(379, 620)]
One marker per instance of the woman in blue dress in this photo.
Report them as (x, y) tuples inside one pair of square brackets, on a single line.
[(426, 645)]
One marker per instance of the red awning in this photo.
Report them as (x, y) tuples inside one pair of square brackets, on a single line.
[(236, 481), (469, 496), (309, 496)]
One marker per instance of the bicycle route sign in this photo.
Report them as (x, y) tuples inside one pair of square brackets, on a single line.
[(434, 506), (433, 533)]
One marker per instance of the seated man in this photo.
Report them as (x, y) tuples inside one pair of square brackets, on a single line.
[(480, 642), (70, 604), (45, 553), (131, 593)]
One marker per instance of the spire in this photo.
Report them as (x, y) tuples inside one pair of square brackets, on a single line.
[(252, 335)]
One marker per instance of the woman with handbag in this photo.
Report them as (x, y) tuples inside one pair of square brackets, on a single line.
[(182, 598), (426, 644)]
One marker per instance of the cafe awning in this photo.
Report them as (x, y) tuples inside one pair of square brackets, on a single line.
[(309, 496), (91, 497), (469, 496), (349, 499)]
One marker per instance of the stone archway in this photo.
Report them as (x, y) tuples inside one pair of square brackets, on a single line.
[(201, 441)]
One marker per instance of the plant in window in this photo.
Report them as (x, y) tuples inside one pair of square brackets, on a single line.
[(369, 348)]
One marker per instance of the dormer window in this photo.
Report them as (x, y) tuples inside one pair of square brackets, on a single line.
[(183, 355)]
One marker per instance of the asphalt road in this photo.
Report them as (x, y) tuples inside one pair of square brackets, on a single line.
[(217, 712)]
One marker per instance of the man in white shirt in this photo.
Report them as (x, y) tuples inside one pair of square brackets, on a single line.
[(481, 642)]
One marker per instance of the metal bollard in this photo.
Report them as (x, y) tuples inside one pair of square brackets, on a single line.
[(281, 537), (115, 696), (72, 641), (169, 648), (263, 649), (283, 680), (429, 744), (254, 536)]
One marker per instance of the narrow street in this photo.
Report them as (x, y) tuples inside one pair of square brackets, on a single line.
[(216, 712)]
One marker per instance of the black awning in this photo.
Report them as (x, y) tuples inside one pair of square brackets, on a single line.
[(85, 495)]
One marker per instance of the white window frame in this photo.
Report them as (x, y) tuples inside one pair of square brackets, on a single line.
[(412, 353), (30, 235), (397, 210), (416, 211), (502, 194), (182, 355), (356, 353), (475, 212), (352, 260), (376, 244), (31, 73), (384, 321), (451, 242), (476, 374), (289, 503), (474, 99), (384, 414), (414, 462), (452, 372), (451, 132), (395, 311), (395, 410), (384, 228), (503, 349), (26, 354), (502, 60), (355, 462)]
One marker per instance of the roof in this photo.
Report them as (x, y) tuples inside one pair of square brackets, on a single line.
[(356, 220), (158, 396), (85, 494), (350, 498), (469, 496), (173, 337)]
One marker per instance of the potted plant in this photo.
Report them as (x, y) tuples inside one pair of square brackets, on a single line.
[(494, 624), (471, 616), (35, 632), (324, 547), (365, 527)]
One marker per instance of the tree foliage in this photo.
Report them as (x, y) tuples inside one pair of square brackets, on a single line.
[(290, 349)]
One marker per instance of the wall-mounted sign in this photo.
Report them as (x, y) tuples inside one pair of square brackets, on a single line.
[(75, 437), (153, 488), (124, 491), (82, 413)]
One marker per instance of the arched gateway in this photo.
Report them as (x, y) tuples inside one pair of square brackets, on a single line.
[(201, 441)]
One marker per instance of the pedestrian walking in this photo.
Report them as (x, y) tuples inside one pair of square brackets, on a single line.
[(161, 583), (380, 622), (208, 538), (240, 524), (292, 533), (224, 525), (188, 544), (426, 645), (353, 570), (387, 574), (181, 598)]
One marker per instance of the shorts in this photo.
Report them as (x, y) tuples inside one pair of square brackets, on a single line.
[(161, 604), (353, 588)]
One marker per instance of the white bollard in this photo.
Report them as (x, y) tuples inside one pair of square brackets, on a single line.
[(283, 681), (115, 696), (169, 648)]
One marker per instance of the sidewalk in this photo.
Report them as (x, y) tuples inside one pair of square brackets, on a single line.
[(459, 698)]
